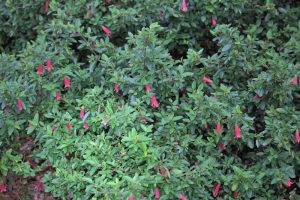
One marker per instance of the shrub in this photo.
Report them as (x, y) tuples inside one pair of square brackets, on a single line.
[(141, 99)]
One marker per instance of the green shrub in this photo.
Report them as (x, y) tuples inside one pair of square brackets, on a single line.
[(165, 105)]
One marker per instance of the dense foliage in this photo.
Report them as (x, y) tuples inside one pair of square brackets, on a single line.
[(170, 99)]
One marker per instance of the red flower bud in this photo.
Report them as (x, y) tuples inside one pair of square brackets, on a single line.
[(213, 21), (216, 189), (296, 81), (236, 194), (52, 128), (49, 65), (163, 172), (57, 96), (148, 87), (67, 82), (207, 80), (20, 104), (40, 69), (183, 6), (116, 87), (68, 125), (154, 102), (219, 127), (106, 30), (297, 136), (157, 193), (46, 6), (289, 183), (2, 187), (182, 197), (85, 125), (237, 131), (81, 113)]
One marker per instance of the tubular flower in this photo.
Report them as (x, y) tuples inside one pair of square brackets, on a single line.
[(49, 65), (296, 81), (207, 80), (106, 31), (40, 69), (157, 193), (237, 131), (183, 6), (46, 6), (67, 82), (182, 196), (219, 127), (154, 102), (57, 96), (20, 104), (148, 87), (2, 187), (116, 87), (86, 125), (81, 113), (216, 189), (68, 125), (213, 21)]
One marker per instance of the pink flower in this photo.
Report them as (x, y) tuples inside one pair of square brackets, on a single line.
[(237, 131), (297, 136), (154, 102), (68, 125), (142, 196), (89, 12), (106, 30), (219, 127), (67, 82), (161, 13), (280, 185), (46, 6), (148, 87), (289, 182), (40, 69), (213, 21), (81, 113), (296, 81), (182, 197), (131, 197), (236, 194), (157, 193), (20, 104), (57, 96), (207, 80), (85, 125), (49, 65), (52, 128), (155, 168), (116, 87), (216, 189), (2, 187), (183, 6)]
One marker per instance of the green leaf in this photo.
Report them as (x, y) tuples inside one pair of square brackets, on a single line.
[(226, 47)]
